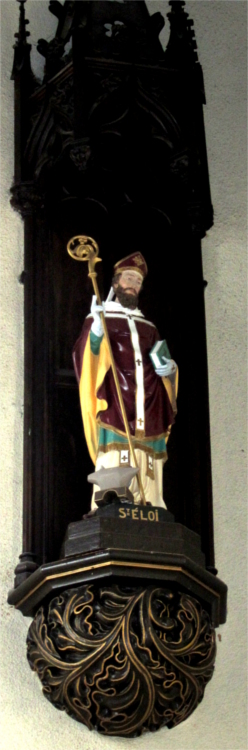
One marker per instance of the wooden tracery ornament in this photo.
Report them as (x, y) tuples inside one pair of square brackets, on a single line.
[(112, 145)]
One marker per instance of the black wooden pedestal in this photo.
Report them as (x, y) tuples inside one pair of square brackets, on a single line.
[(123, 631)]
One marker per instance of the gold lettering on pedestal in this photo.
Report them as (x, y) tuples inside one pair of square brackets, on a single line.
[(122, 513), (138, 515), (134, 513)]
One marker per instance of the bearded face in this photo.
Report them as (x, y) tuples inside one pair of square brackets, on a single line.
[(127, 297), (127, 286)]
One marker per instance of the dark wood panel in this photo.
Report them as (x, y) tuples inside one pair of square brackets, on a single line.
[(112, 145)]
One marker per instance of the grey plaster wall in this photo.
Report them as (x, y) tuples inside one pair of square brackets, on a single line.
[(28, 720)]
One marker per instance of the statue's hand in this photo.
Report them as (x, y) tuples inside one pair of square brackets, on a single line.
[(97, 326), (169, 368)]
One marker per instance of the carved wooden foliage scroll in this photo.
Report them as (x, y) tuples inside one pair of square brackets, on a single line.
[(123, 661)]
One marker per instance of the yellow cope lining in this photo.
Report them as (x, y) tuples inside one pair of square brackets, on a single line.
[(94, 369)]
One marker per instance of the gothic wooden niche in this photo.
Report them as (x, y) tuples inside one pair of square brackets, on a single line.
[(112, 145)]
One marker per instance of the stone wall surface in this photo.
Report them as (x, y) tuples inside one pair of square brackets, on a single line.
[(28, 720)]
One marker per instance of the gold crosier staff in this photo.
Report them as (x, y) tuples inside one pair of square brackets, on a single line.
[(85, 248)]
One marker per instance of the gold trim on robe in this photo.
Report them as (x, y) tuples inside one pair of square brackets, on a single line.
[(94, 370)]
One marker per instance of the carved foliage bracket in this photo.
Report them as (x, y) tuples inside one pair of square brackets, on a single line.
[(123, 661)]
